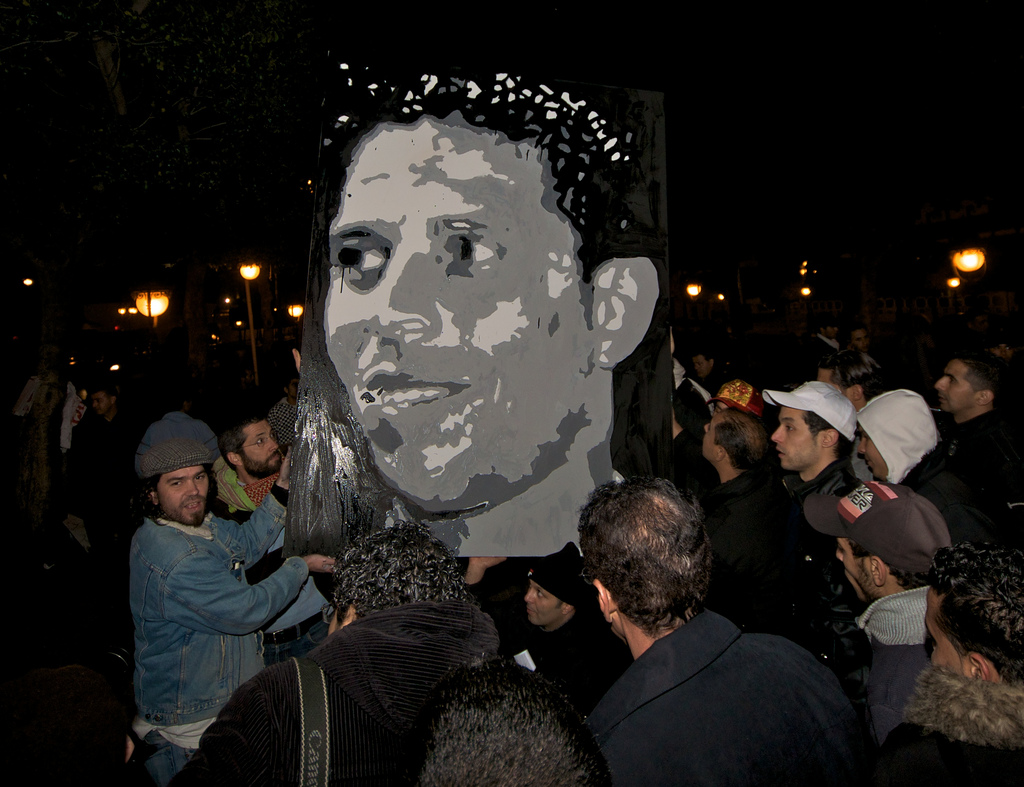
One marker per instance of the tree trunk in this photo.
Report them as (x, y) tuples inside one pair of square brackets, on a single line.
[(39, 487), (107, 59), (195, 316)]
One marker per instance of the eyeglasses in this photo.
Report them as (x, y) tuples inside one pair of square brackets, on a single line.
[(258, 442), (327, 611)]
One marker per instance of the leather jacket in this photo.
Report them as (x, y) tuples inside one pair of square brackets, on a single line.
[(825, 604)]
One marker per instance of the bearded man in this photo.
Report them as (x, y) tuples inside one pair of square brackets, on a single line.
[(250, 460), (249, 465)]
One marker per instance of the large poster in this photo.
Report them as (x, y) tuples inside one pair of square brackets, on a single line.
[(485, 336)]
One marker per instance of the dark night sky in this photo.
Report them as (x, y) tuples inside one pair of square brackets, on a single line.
[(791, 133), (794, 132)]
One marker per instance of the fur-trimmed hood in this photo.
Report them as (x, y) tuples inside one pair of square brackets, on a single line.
[(968, 710)]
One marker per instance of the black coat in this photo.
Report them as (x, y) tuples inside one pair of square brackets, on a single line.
[(959, 505), (707, 704), (582, 657), (987, 454), (379, 671), (746, 519)]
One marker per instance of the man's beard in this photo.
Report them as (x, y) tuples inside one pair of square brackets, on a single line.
[(185, 517), (262, 470)]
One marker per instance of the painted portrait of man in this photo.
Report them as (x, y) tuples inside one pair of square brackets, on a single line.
[(465, 320)]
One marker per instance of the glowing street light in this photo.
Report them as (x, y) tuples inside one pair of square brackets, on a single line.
[(969, 260), (805, 291), (27, 282), (250, 272), (295, 310), (151, 303), (693, 290), (721, 297), (953, 283)]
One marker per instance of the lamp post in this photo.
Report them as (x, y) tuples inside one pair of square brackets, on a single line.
[(152, 303), (249, 273)]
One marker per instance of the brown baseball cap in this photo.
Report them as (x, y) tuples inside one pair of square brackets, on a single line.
[(889, 520)]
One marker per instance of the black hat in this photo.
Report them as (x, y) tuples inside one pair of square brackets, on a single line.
[(561, 575)]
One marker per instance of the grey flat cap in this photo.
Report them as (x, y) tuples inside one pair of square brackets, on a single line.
[(174, 454)]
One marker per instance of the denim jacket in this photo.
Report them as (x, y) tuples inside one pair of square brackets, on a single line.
[(196, 618)]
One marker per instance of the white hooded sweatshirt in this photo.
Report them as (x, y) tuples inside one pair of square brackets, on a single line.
[(902, 427)]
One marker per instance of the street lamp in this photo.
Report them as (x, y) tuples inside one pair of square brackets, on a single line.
[(969, 260), (693, 290), (805, 291), (953, 283), (152, 303), (250, 272), (295, 310)]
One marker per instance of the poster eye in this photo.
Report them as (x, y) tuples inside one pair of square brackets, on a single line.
[(375, 258), (363, 258), (349, 257)]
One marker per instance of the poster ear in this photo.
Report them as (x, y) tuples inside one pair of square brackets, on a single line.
[(625, 291)]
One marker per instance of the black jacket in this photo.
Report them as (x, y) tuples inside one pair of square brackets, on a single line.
[(960, 732), (825, 605), (986, 453), (959, 505), (379, 670), (709, 705), (746, 519), (582, 657)]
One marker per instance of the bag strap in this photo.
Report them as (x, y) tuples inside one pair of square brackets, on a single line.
[(315, 732)]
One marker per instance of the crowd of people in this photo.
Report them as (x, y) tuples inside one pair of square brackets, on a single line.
[(845, 609)]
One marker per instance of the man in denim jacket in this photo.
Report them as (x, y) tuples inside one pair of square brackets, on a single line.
[(196, 619)]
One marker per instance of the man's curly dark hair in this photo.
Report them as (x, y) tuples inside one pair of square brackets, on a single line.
[(648, 546), (495, 722), (982, 603), (399, 565)]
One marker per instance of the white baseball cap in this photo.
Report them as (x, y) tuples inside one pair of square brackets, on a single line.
[(822, 400)]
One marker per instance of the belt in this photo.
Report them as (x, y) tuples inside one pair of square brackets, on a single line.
[(291, 633)]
